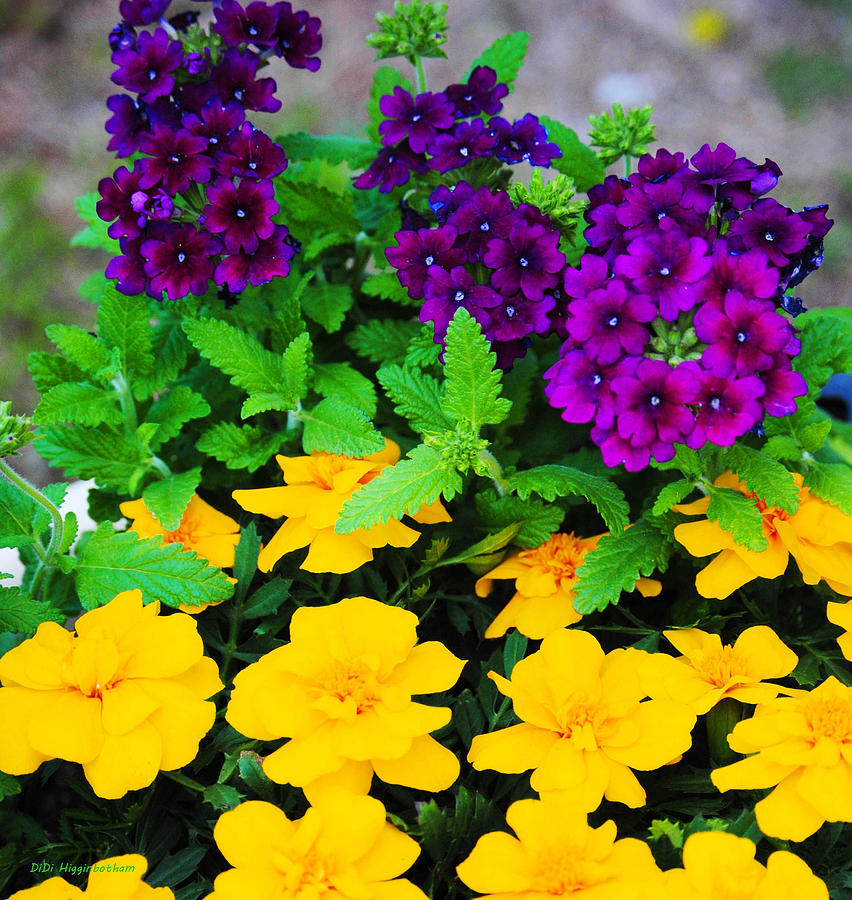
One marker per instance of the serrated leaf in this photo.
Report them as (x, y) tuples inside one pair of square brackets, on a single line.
[(17, 511), (94, 235), (826, 338), (69, 532), (327, 304), (766, 477), (419, 479), (738, 515), (82, 348), (422, 350), (538, 520), (333, 148), (813, 436), (123, 324), (110, 458), (505, 56), (416, 397), (313, 210), (239, 446), (472, 382), (670, 495), (552, 481), (578, 161), (172, 410), (386, 286), (490, 544), (80, 403), (170, 347), (831, 482), (685, 460), (50, 369), (342, 381), (221, 797), (168, 498), (615, 564), (334, 426), (21, 615), (9, 785), (383, 340), (781, 446), (385, 79), (112, 562)]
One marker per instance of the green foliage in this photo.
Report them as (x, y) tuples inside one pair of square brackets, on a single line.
[(348, 384), (335, 426), (505, 56), (671, 494), (386, 285), (385, 79), (335, 149), (80, 403), (327, 304), (383, 340), (112, 459), (239, 446), (765, 477), (17, 512), (51, 369), (15, 431), (94, 235), (538, 520), (831, 482), (738, 515), (123, 325), (172, 410), (313, 210), (167, 499), (826, 337), (622, 133), (578, 161), (416, 397), (22, 615), (413, 31), (553, 198), (85, 350)]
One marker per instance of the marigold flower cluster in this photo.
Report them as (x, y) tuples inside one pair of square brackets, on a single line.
[(185, 112), (673, 323), (445, 130)]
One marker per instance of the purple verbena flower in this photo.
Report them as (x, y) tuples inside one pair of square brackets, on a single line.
[(447, 291), (740, 195), (714, 167), (517, 317), (142, 12), (645, 206), (242, 214), (271, 258), (128, 268), (297, 37), (528, 259), (254, 24), (748, 274), (122, 37), (250, 153), (147, 68), (446, 199), (418, 250), (179, 260), (659, 168), (417, 118), (215, 123), (177, 159), (782, 385), (605, 233), (467, 141), (583, 389), (524, 139), (391, 167), (116, 203), (234, 79), (481, 94), (768, 226), (727, 409), (153, 206), (590, 276), (483, 215)]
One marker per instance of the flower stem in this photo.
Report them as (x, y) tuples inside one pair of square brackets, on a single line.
[(128, 405), (421, 76), (495, 472), (628, 165)]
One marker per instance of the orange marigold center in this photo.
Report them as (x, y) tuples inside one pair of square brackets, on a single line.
[(353, 680), (562, 555), (305, 877), (560, 871), (578, 721), (830, 717), (327, 466), (721, 668)]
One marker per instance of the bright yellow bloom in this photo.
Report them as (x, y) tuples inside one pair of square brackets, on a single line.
[(802, 744), (841, 614), (544, 586), (818, 535), (316, 487), (116, 878), (721, 866), (583, 726), (341, 691), (210, 534), (125, 696), (706, 25), (557, 854), (343, 847), (709, 671)]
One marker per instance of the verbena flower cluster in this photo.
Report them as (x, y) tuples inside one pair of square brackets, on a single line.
[(199, 203), (673, 322), (444, 130)]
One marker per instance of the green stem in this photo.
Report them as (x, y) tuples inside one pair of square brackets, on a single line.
[(233, 634), (421, 76), (128, 405), (628, 165), (495, 472)]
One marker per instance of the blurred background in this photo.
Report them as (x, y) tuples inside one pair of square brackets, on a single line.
[(770, 77)]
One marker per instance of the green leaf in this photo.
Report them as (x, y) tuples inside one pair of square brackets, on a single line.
[(239, 446), (327, 304), (17, 512), (831, 482), (82, 348), (221, 797), (334, 426), (333, 148), (616, 564), (172, 410), (313, 210), (472, 383), (110, 458), (80, 403), (538, 520), (826, 338), (168, 498), (514, 650), (419, 479), (781, 446), (386, 286), (416, 397), (670, 495), (505, 56), (21, 615), (112, 562), (422, 350), (578, 161), (385, 79), (124, 324), (383, 340), (340, 380), (738, 515), (685, 460), (764, 476), (170, 348), (552, 481), (50, 369), (813, 435), (9, 785), (490, 544), (245, 560), (94, 235), (267, 599)]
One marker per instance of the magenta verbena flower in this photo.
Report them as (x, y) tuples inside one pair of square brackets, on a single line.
[(748, 274), (235, 78), (176, 160), (417, 118), (524, 140), (142, 12), (391, 167), (418, 250), (583, 389), (768, 226), (659, 168), (480, 216), (215, 122), (250, 153), (467, 141), (241, 213), (480, 94), (712, 168), (179, 260), (128, 269), (644, 206), (127, 124), (297, 37), (446, 292), (518, 316), (116, 203), (726, 409), (253, 24), (270, 258), (782, 386), (527, 260), (147, 68)]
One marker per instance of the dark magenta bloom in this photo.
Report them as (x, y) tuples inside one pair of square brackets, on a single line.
[(740, 195), (748, 274), (271, 258), (147, 68), (418, 250), (605, 233), (179, 260), (528, 260), (250, 153), (417, 118), (768, 226), (122, 37), (727, 409), (590, 276), (817, 220), (156, 206), (447, 291), (215, 123), (714, 167), (129, 268), (525, 139), (583, 389), (481, 94), (446, 199), (241, 214), (482, 216), (467, 141), (391, 167), (659, 168), (666, 265), (177, 159), (645, 206), (142, 12), (782, 385), (116, 203), (254, 24), (234, 78), (517, 317), (297, 37)]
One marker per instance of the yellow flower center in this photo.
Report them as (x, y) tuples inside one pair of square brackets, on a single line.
[(578, 720), (305, 877), (560, 870), (830, 717), (723, 667), (352, 680), (562, 555), (326, 467), (91, 666), (183, 534)]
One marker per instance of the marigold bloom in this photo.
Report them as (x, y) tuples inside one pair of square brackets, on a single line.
[(207, 532), (721, 865), (341, 691), (841, 614), (803, 744), (544, 586), (556, 853), (316, 487), (818, 535), (125, 696), (343, 846), (583, 726), (709, 670), (116, 878)]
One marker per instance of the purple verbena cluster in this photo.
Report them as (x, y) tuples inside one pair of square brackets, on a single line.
[(443, 131), (671, 324), (500, 262), (199, 203)]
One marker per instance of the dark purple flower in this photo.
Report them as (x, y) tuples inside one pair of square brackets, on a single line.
[(410, 218), (417, 118), (198, 62), (743, 336), (611, 322), (747, 273), (517, 316), (250, 153), (529, 260), (128, 123), (184, 21), (297, 37), (645, 206), (116, 203), (147, 68), (242, 214), (659, 168), (605, 233), (583, 389), (391, 167), (179, 260), (418, 250), (215, 123), (447, 291), (509, 351), (782, 385), (271, 258), (446, 199), (727, 409), (142, 12), (666, 265), (817, 220), (481, 94), (714, 167), (484, 215), (129, 267), (525, 139), (154, 206), (468, 140), (254, 24), (234, 79), (777, 231), (610, 190), (591, 275), (741, 195), (793, 306), (177, 160), (122, 37)]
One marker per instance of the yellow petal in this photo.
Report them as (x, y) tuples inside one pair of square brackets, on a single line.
[(766, 652), (292, 535), (511, 750), (38, 662), (203, 518), (17, 706), (181, 719), (338, 553), (753, 773), (250, 835), (217, 549), (723, 576), (790, 878), (392, 533), (431, 514), (665, 729), (496, 864), (126, 706), (354, 777), (119, 618), (302, 760), (126, 762), (55, 888), (391, 853), (162, 647), (120, 878), (268, 502), (238, 884), (702, 538), (68, 728), (828, 789), (428, 668), (351, 825), (624, 787), (428, 766), (786, 814)]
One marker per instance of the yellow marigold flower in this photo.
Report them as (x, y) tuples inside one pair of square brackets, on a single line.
[(706, 25), (818, 535), (841, 614), (544, 586), (708, 671), (316, 487), (583, 726), (125, 696), (718, 865), (342, 847), (803, 744), (556, 853), (341, 691), (206, 531), (116, 878)]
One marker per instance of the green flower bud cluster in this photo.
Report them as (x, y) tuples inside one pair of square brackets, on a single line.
[(15, 431), (553, 198), (413, 31), (622, 134)]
